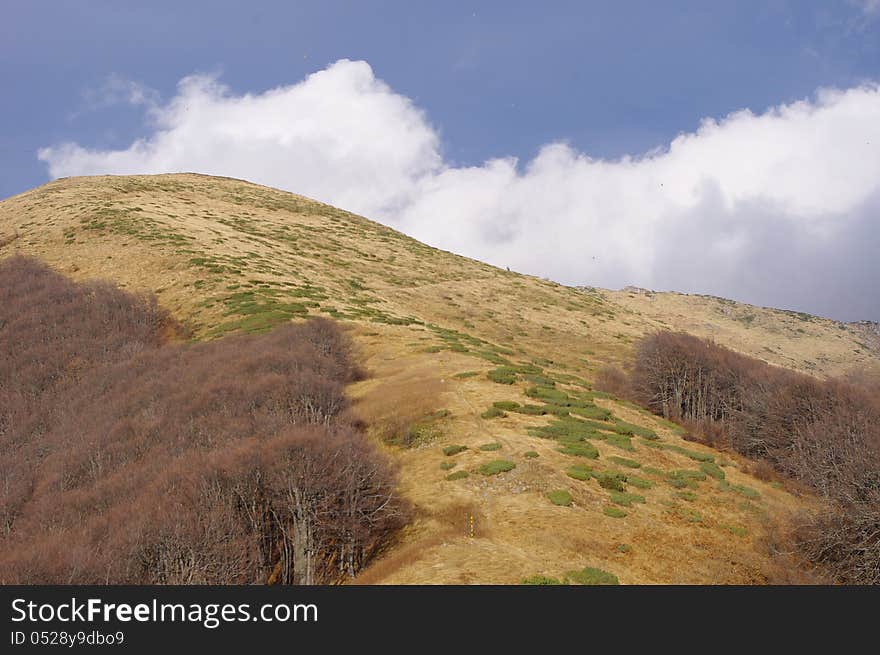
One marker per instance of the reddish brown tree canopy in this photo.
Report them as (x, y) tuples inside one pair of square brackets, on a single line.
[(128, 459)]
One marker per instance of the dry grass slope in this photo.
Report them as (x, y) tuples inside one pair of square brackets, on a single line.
[(226, 255)]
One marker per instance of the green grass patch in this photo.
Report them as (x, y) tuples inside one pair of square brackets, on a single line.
[(560, 497), (741, 489), (624, 498), (713, 470), (557, 410), (493, 412), (530, 454), (640, 483), (579, 449), (540, 380), (592, 412), (684, 478), (505, 405), (623, 461), (502, 375), (458, 475), (566, 430), (592, 576), (448, 465), (620, 441), (541, 580), (453, 450), (611, 481), (579, 472), (613, 512), (491, 446), (465, 374), (653, 444), (694, 455), (689, 496), (622, 427), (496, 466), (533, 410)]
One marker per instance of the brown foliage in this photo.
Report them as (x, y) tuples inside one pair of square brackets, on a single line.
[(124, 459), (823, 434), (614, 381)]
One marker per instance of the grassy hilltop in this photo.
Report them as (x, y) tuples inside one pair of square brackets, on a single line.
[(480, 380)]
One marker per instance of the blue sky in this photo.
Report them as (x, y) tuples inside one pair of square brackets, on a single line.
[(601, 80)]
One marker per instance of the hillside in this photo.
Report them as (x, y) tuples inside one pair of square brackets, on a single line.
[(225, 255)]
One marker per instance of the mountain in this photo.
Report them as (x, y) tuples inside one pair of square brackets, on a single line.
[(442, 338)]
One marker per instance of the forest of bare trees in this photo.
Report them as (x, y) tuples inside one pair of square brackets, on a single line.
[(823, 433), (130, 455)]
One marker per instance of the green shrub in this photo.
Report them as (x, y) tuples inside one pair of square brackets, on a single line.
[(534, 410), (540, 380), (712, 469), (623, 461), (556, 410), (653, 444), (502, 375), (624, 498), (541, 580), (493, 412), (559, 398), (566, 429), (506, 405), (458, 475), (465, 374), (448, 465), (453, 450), (531, 454), (579, 449), (684, 478), (592, 411), (689, 496), (548, 394), (650, 470), (496, 466), (612, 481), (694, 455), (741, 489), (622, 427), (591, 576), (620, 441), (490, 446), (560, 497), (579, 472), (640, 483), (613, 512)]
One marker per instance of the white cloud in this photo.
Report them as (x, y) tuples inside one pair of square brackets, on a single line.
[(778, 208), (116, 90)]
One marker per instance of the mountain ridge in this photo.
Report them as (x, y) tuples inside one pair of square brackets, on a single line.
[(444, 337)]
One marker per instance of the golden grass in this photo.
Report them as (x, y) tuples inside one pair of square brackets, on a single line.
[(197, 240)]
